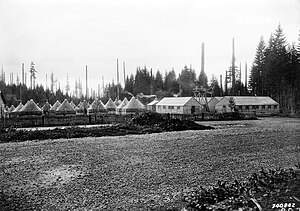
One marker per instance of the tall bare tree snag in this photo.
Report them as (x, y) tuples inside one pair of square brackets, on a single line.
[(53, 82), (233, 91), (68, 85), (32, 75)]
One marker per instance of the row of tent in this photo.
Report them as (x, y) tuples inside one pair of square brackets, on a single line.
[(68, 108)]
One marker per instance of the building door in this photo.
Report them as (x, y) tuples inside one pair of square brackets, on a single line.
[(193, 109)]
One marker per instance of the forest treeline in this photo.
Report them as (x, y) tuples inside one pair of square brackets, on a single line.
[(144, 82), (275, 72)]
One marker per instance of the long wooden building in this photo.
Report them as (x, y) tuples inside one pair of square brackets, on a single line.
[(262, 105), (178, 105)]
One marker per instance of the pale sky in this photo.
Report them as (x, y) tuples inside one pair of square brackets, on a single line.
[(62, 36)]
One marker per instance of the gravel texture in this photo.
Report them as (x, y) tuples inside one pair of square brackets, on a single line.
[(140, 172)]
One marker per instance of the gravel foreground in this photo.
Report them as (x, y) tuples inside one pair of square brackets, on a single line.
[(140, 172)]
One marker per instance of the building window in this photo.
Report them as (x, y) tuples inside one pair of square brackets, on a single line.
[(164, 107), (171, 107), (158, 107), (275, 106), (178, 107), (247, 107), (269, 107), (263, 106)]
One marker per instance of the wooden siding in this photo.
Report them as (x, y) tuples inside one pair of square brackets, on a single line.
[(185, 109), (211, 104), (223, 106)]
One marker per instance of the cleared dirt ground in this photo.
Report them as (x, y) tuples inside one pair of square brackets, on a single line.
[(140, 172)]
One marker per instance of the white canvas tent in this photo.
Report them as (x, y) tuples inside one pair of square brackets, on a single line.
[(65, 109), (134, 106)]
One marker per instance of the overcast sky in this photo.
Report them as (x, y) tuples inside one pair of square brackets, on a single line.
[(62, 36)]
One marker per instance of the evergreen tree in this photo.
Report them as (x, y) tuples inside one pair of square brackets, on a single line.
[(187, 81), (214, 84), (142, 82), (277, 64), (129, 83), (231, 103), (158, 82), (202, 80), (258, 69), (171, 85)]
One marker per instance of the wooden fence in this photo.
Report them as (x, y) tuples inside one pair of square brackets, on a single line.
[(72, 120)]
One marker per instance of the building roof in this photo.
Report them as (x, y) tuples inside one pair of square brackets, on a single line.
[(110, 104), (154, 102), (202, 100), (117, 102), (55, 106), (84, 105), (216, 98), (11, 109), (97, 105), (31, 108), (46, 106), (133, 104), (123, 103), (65, 108), (73, 104), (18, 108), (253, 100), (175, 101)]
